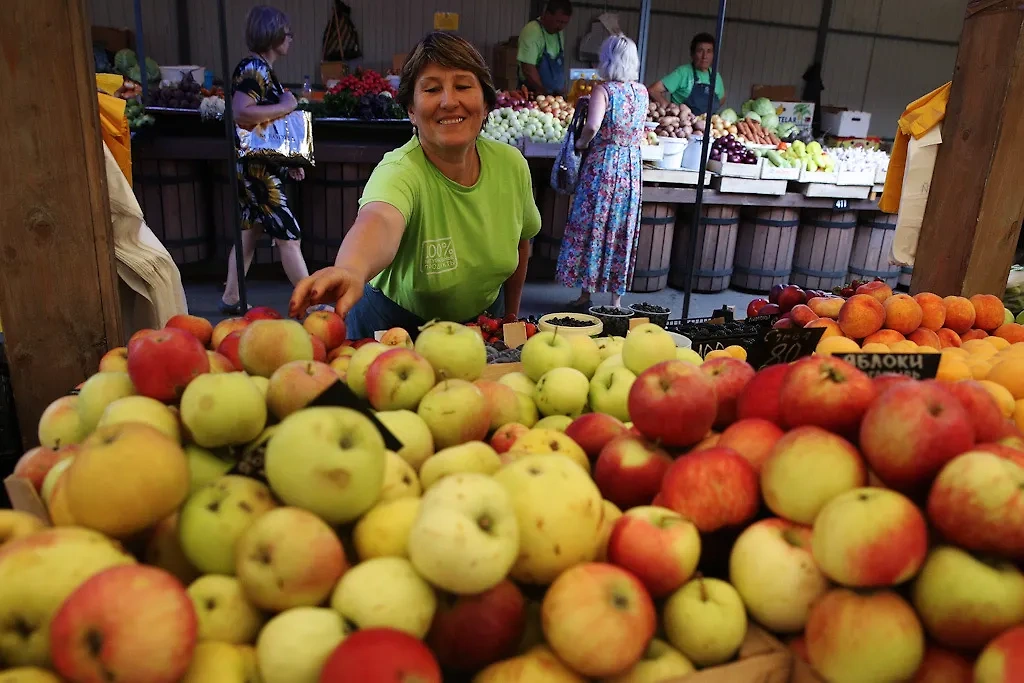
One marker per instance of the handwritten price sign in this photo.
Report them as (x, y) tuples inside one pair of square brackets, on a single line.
[(915, 365), (785, 346)]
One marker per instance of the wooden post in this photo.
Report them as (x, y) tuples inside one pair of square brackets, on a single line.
[(58, 286), (975, 205)]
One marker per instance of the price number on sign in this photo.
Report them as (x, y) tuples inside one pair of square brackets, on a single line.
[(785, 346)]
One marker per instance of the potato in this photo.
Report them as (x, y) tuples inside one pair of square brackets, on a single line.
[(687, 130), (732, 130)]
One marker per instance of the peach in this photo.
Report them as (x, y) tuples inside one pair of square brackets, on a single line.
[(1002, 660), (902, 313), (266, 345), (1002, 396), (327, 326), (973, 334), (960, 314), (295, 384), (922, 336), (200, 328), (831, 345), (753, 438), (115, 360), (826, 306), (219, 362), (877, 289), (884, 337), (988, 311), (999, 343), (1011, 332), (832, 328), (875, 347), (861, 316), (224, 328), (1010, 374), (947, 338), (801, 314), (933, 310)]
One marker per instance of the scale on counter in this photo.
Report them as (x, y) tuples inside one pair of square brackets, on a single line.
[(583, 74)]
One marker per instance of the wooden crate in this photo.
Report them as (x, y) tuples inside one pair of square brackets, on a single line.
[(652, 248), (714, 251), (764, 248), (328, 205), (175, 201), (872, 248), (906, 273), (822, 256)]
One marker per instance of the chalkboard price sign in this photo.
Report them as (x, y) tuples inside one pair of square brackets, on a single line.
[(916, 365), (785, 346)]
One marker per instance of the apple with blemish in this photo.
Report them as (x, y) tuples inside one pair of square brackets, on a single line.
[(385, 592), (456, 411), (224, 613), (266, 345)]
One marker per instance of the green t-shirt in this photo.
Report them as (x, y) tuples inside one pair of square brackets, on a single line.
[(679, 83), (460, 243), (535, 41)]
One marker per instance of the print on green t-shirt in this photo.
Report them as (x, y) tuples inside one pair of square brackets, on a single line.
[(534, 41), (460, 243), (679, 83)]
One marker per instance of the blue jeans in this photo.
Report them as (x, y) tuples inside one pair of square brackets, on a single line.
[(375, 312)]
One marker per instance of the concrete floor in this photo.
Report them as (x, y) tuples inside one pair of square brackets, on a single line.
[(538, 298)]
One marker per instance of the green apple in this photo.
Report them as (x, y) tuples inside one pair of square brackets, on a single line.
[(223, 409), (327, 460), (413, 432), (562, 391), (213, 519), (456, 411), (706, 621), (466, 535), (400, 479), (385, 592), (224, 613), (145, 410), (661, 662), (98, 392), (647, 345), (472, 456), (360, 363), (965, 601), (688, 355), (518, 381), (545, 351), (384, 530), (295, 644), (204, 466), (607, 365), (528, 414), (609, 346), (609, 393), (555, 490), (559, 423), (455, 351), (586, 356), (1007, 316), (1020, 318)]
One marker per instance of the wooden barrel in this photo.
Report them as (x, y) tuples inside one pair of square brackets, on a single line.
[(764, 248), (906, 273), (176, 204), (872, 248), (821, 259), (714, 251), (328, 204), (652, 248)]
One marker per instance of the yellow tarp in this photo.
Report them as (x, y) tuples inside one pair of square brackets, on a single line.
[(920, 117), (113, 122)]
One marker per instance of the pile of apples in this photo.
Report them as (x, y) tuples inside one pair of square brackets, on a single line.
[(555, 525)]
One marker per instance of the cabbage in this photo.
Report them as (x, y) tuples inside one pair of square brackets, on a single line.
[(729, 116), (747, 107), (152, 69), (124, 60), (770, 121), (753, 116), (763, 106)]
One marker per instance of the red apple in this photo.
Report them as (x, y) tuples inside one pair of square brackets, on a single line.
[(506, 435), (790, 296), (327, 326), (887, 379), (943, 666), (802, 314), (381, 655), (162, 364), (770, 309), (760, 398), (730, 377), (753, 438), (1002, 660), (977, 503), (1002, 451), (659, 546), (629, 471), (774, 292), (674, 403), (397, 336), (592, 431), (319, 350), (714, 488), (261, 313), (128, 623), (981, 408), (826, 392), (471, 631), (755, 306), (36, 463), (363, 342), (229, 349), (200, 328), (784, 323)]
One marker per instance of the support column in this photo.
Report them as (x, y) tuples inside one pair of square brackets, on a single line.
[(975, 205), (58, 286)]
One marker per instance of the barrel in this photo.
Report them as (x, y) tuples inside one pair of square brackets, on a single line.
[(328, 205), (714, 250), (652, 249), (176, 204), (872, 248), (225, 206), (821, 259), (906, 273), (764, 248)]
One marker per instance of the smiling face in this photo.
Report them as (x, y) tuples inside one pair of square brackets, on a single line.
[(703, 55), (448, 107)]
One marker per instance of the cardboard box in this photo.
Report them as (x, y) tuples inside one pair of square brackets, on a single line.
[(799, 113), (505, 66), (844, 123), (917, 182), (332, 71), (782, 93), (762, 658)]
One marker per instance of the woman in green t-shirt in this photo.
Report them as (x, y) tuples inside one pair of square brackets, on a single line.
[(690, 84), (445, 220)]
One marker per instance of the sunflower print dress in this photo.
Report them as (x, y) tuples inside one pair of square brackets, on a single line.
[(261, 185)]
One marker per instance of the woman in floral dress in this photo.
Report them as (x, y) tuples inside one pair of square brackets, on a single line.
[(598, 247), (256, 97)]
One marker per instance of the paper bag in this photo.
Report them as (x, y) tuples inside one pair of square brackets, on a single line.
[(917, 181)]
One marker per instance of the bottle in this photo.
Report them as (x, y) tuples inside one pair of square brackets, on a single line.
[(307, 88)]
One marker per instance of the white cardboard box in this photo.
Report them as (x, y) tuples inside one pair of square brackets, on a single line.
[(771, 172), (917, 183), (844, 123), (799, 113), (728, 168)]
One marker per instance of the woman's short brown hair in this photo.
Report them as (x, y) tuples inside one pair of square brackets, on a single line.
[(448, 52), (265, 28)]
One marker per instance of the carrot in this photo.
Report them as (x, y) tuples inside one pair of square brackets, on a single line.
[(744, 129), (774, 139)]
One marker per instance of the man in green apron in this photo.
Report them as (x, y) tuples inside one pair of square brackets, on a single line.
[(542, 50)]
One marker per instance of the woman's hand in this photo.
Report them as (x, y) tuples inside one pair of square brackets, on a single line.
[(338, 286), (298, 174), (580, 145), (288, 101)]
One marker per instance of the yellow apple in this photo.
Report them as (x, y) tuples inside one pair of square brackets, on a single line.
[(97, 393), (145, 410), (562, 391), (400, 480), (204, 466), (355, 377), (611, 515), (647, 345), (61, 423), (384, 530), (413, 432), (541, 441), (538, 665), (295, 644), (474, 456), (385, 592), (519, 382), (224, 613), (706, 621), (609, 346), (216, 662), (28, 674), (224, 409), (559, 423), (545, 351), (586, 355), (661, 662), (15, 524)]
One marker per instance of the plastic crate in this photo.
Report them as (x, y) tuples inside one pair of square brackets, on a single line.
[(708, 336)]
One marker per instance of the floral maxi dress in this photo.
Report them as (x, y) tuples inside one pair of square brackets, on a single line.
[(598, 249), (261, 186)]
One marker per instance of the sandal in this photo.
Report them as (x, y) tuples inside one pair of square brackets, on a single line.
[(231, 309)]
